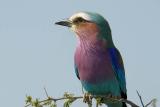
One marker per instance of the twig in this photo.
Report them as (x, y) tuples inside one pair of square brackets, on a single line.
[(56, 99), (46, 92), (149, 103), (129, 102), (71, 98), (140, 98), (80, 97), (97, 105)]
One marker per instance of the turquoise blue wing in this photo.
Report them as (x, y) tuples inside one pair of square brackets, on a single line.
[(118, 67)]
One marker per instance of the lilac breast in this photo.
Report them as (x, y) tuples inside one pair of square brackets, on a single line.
[(93, 63)]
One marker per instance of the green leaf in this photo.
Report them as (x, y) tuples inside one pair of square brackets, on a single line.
[(28, 99), (68, 102), (99, 101), (53, 104), (36, 103), (68, 95)]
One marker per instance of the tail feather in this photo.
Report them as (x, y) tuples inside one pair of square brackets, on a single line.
[(124, 95), (124, 104)]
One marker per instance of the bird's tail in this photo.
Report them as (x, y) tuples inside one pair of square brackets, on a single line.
[(124, 95)]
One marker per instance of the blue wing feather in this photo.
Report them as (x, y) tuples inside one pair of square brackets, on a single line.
[(118, 68)]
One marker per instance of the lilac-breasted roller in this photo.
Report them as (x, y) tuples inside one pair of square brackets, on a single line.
[(98, 63)]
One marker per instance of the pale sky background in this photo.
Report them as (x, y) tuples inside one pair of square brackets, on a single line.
[(35, 53)]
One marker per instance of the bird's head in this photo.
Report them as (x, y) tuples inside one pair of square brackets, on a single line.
[(89, 25)]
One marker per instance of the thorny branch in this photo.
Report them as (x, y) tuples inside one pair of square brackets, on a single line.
[(70, 98)]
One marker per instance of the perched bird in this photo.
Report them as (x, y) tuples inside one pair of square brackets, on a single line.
[(98, 63)]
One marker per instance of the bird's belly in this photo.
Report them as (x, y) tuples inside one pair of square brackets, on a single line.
[(94, 68), (96, 73), (103, 88)]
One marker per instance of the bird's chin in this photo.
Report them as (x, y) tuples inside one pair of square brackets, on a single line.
[(73, 28)]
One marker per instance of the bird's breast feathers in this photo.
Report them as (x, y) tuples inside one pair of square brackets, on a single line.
[(93, 65)]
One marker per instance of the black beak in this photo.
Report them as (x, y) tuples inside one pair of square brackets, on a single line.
[(64, 23)]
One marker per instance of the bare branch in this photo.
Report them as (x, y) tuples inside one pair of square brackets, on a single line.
[(151, 102), (140, 99), (46, 92), (70, 98), (93, 96)]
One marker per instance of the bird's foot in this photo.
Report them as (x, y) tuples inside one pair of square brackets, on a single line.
[(109, 96), (112, 98), (87, 98)]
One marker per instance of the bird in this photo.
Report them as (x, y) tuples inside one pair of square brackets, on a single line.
[(98, 63)]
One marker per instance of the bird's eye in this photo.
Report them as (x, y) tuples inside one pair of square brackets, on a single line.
[(78, 20)]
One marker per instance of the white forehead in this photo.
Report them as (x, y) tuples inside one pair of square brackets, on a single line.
[(81, 14), (94, 17)]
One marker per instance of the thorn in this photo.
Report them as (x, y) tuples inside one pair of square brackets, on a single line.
[(46, 92)]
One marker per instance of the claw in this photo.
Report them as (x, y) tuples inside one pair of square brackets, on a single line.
[(87, 97), (113, 97), (109, 96)]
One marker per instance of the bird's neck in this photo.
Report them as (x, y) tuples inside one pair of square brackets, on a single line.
[(90, 35), (94, 40), (92, 46)]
